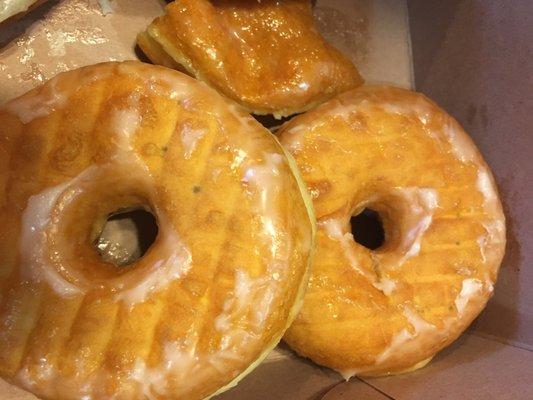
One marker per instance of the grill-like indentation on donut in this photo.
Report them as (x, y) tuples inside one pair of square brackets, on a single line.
[(367, 229), (127, 235)]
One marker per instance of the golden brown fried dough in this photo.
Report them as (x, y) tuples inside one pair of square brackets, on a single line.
[(266, 55), (388, 310), (215, 291)]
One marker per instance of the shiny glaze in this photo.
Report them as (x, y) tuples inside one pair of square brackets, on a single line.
[(391, 309), (266, 55), (211, 295)]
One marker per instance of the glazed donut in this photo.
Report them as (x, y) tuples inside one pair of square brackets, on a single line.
[(266, 55), (215, 291), (389, 310)]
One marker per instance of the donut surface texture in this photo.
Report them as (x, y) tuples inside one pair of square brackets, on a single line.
[(389, 310), (266, 55), (215, 291)]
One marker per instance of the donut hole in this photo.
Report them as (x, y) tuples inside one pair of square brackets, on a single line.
[(126, 236), (367, 229)]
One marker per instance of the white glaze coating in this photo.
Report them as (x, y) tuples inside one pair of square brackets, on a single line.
[(177, 359), (159, 82), (404, 338), (264, 179), (488, 243), (175, 264), (181, 360), (124, 124), (469, 288), (495, 230), (461, 146), (240, 115), (30, 108), (420, 109), (398, 341), (423, 203), (334, 229), (250, 295), (265, 305), (43, 371), (295, 135), (238, 158), (237, 303), (303, 86), (36, 220), (348, 373), (482, 242), (126, 121), (418, 323), (190, 138), (485, 187), (386, 285), (51, 98)]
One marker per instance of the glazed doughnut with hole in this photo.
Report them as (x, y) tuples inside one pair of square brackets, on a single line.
[(389, 310), (266, 55), (217, 288)]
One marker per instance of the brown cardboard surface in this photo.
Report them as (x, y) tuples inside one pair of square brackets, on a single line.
[(284, 376), (475, 59), (60, 36), (461, 60), (355, 390), (373, 33), (472, 368), (8, 392)]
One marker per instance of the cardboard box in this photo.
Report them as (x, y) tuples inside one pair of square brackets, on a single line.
[(472, 57)]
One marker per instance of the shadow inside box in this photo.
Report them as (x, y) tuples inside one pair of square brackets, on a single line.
[(270, 122), (284, 376)]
